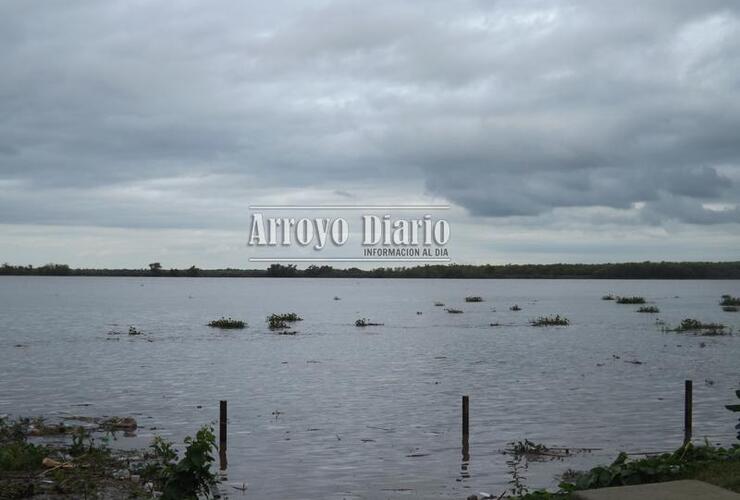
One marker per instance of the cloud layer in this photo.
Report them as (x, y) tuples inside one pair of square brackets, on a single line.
[(148, 114)]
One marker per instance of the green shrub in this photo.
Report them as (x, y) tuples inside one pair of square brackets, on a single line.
[(189, 477)]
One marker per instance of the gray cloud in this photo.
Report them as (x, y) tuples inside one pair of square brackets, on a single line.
[(509, 108)]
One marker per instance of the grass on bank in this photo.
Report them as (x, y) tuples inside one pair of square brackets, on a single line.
[(83, 467), (715, 465)]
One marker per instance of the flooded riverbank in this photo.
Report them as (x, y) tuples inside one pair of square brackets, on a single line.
[(338, 411)]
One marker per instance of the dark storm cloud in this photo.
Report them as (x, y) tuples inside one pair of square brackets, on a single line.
[(505, 108)]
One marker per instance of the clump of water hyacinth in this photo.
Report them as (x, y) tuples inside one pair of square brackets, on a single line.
[(454, 311), (630, 300), (648, 309), (366, 322), (729, 300), (608, 297), (227, 323), (730, 308), (439, 304), (288, 317), (515, 307), (696, 326), (473, 298), (132, 330), (556, 320)]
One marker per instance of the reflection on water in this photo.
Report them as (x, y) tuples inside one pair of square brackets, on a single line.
[(373, 412)]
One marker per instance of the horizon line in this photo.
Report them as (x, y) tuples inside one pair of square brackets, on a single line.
[(349, 207)]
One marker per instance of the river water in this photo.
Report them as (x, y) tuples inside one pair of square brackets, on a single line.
[(338, 411)]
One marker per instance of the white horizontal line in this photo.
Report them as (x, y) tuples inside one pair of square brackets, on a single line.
[(347, 259), (349, 207)]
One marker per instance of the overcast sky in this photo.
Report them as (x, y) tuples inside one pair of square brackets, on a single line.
[(557, 130)]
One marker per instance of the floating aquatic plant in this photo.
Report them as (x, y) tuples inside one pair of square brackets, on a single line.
[(730, 308), (648, 309), (227, 323), (515, 307), (366, 322), (608, 297), (439, 304), (281, 321), (696, 326), (473, 298), (453, 311), (556, 320), (630, 300), (729, 300), (133, 331)]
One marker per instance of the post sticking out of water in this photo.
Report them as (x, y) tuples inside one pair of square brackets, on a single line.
[(466, 430), (688, 408), (465, 416), (222, 418)]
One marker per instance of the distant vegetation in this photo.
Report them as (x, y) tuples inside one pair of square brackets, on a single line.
[(556, 320), (648, 309), (631, 270), (729, 308), (227, 323), (630, 300)]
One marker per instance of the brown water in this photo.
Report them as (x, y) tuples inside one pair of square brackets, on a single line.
[(373, 412)]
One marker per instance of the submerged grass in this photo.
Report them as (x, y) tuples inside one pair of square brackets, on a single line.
[(556, 320), (227, 323)]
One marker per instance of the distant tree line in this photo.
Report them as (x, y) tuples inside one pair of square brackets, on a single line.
[(629, 270)]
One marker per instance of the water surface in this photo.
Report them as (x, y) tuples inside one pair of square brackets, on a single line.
[(344, 412)]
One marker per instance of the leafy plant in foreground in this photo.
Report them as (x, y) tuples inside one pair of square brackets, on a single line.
[(191, 476)]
